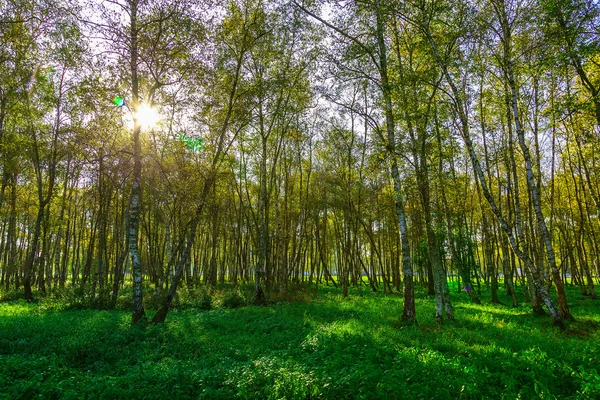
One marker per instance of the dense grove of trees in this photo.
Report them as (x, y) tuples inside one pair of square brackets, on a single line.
[(383, 143)]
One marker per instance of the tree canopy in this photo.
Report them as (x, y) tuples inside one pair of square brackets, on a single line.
[(392, 144)]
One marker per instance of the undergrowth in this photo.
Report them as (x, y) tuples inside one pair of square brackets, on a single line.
[(216, 344)]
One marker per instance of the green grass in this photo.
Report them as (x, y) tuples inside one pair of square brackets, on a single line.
[(328, 347)]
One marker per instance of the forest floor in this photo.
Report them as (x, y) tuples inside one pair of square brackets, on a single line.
[(322, 347)]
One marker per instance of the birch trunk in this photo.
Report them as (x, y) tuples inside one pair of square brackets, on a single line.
[(409, 311), (464, 128), (532, 186), (138, 314)]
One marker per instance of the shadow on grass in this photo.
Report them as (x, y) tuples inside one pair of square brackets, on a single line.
[(328, 348)]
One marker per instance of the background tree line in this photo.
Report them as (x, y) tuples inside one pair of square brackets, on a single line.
[(379, 143)]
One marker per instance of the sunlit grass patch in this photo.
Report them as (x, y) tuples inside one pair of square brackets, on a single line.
[(329, 347)]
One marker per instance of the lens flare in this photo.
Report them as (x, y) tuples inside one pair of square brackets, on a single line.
[(118, 101), (194, 143), (147, 116)]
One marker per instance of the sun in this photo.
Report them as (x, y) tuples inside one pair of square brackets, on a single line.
[(147, 116)]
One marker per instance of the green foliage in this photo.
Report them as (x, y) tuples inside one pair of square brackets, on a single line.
[(197, 299), (232, 299), (328, 348), (204, 302)]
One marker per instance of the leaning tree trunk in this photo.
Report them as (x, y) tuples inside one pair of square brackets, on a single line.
[(464, 128), (161, 313), (163, 310), (533, 187)]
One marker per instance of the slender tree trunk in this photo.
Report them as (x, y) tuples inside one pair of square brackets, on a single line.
[(12, 234), (28, 267), (263, 234), (138, 314), (163, 310), (464, 128), (533, 187), (161, 313), (409, 311), (211, 277)]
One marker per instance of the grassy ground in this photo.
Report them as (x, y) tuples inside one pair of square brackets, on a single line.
[(327, 347)]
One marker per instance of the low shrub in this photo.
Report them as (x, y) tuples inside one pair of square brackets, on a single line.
[(232, 299), (197, 299)]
